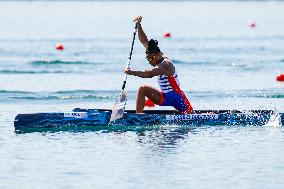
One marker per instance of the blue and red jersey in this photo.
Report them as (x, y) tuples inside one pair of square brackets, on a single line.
[(171, 94)]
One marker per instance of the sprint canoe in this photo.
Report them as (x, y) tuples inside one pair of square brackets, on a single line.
[(100, 117)]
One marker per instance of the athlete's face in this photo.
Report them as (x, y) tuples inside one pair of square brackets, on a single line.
[(151, 57)]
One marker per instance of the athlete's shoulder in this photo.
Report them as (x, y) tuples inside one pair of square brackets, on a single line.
[(168, 62), (167, 59), (168, 66)]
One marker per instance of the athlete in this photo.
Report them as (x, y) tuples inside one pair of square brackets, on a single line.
[(170, 93)]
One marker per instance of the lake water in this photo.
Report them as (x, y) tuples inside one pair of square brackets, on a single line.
[(222, 64)]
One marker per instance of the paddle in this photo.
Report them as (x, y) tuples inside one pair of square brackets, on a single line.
[(119, 106)]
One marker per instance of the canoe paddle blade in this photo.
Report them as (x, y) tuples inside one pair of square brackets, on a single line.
[(119, 106)]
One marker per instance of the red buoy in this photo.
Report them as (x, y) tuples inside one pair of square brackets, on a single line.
[(167, 34), (59, 47), (252, 24), (280, 77)]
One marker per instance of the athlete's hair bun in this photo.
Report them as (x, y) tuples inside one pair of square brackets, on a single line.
[(153, 43), (153, 47)]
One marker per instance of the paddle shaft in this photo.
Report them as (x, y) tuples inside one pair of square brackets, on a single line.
[(129, 58), (119, 106)]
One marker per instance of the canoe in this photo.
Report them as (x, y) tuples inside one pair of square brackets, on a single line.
[(101, 117)]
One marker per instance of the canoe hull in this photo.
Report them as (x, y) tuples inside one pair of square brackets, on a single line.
[(100, 117)]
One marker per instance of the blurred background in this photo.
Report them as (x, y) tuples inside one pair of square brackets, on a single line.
[(227, 53)]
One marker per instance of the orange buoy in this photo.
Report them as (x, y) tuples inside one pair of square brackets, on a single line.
[(59, 47), (149, 103), (167, 34), (280, 77), (252, 24)]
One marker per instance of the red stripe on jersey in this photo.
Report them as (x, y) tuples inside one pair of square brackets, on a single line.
[(176, 88)]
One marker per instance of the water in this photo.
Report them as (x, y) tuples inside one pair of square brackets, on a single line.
[(222, 64)]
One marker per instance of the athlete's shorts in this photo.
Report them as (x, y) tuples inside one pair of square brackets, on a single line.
[(178, 101)]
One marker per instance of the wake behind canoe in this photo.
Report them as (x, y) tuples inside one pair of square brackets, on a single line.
[(101, 117)]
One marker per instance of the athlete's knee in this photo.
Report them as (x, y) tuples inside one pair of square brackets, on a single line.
[(142, 89)]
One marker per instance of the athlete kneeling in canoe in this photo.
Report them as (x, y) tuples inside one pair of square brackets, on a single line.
[(170, 94)]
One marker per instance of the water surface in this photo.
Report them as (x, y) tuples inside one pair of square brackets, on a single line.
[(221, 62)]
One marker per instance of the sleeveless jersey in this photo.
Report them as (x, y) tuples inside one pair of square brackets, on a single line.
[(172, 94), (168, 83)]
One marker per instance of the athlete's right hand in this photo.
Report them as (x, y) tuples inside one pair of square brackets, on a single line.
[(137, 19)]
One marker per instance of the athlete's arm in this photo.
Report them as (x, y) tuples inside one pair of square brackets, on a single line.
[(141, 34), (159, 70)]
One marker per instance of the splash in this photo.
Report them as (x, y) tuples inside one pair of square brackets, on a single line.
[(275, 120)]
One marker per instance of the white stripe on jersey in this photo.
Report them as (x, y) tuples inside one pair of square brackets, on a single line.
[(164, 82)]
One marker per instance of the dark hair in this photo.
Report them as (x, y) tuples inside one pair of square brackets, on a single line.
[(153, 47)]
